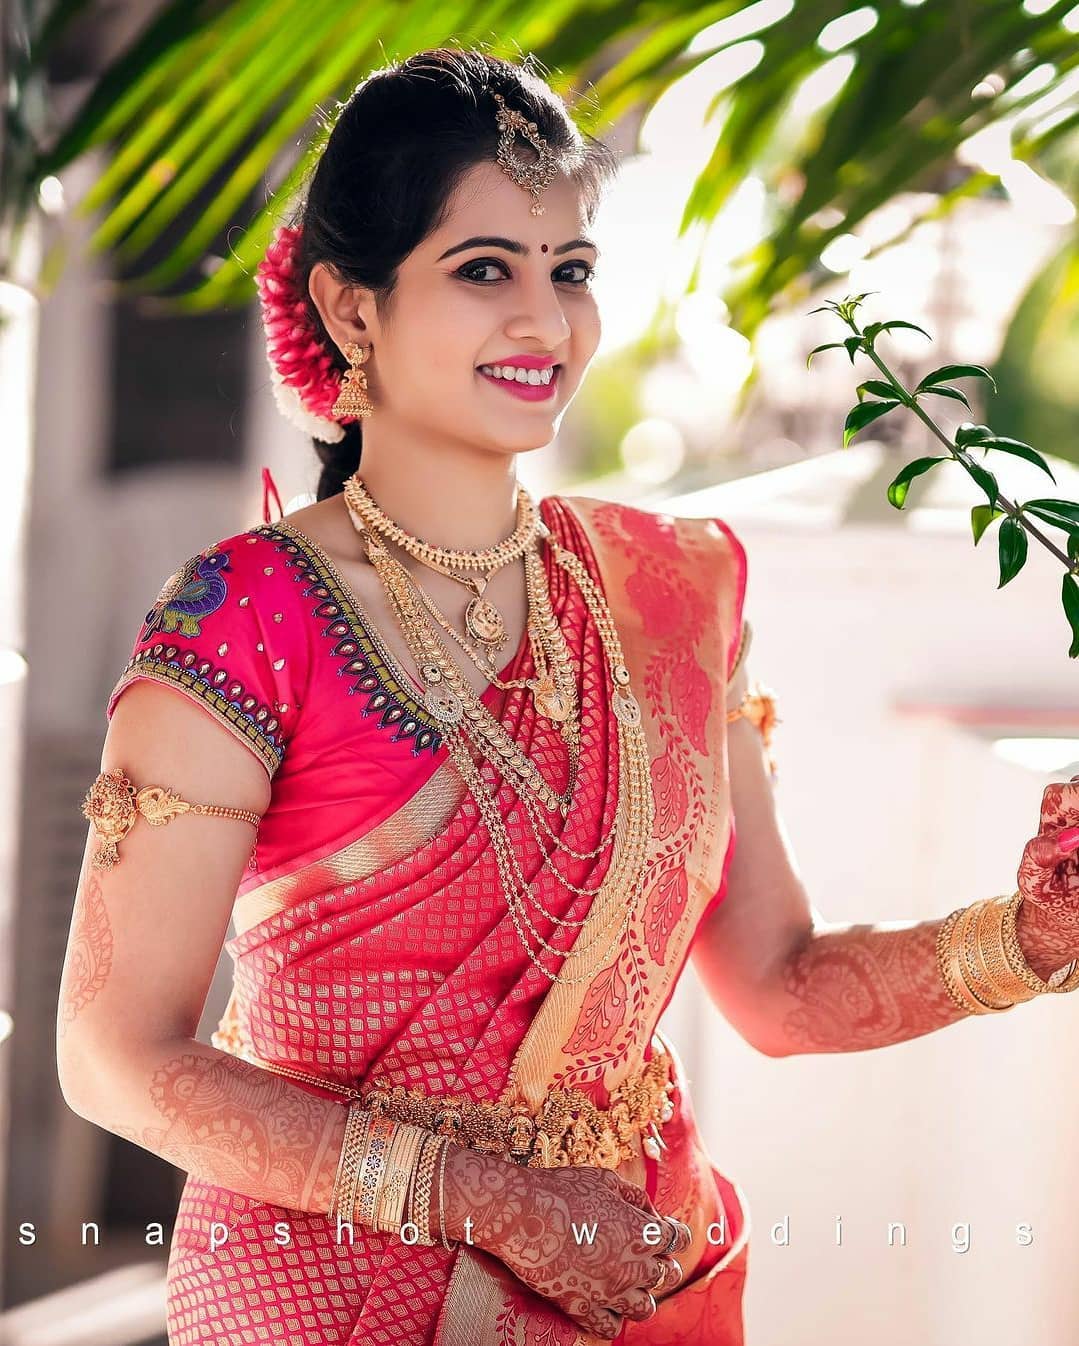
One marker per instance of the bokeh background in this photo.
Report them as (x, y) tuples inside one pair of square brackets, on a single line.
[(775, 155)]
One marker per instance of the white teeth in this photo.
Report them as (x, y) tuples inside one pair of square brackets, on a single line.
[(519, 374)]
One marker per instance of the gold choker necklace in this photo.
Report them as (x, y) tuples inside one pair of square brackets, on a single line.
[(483, 621)]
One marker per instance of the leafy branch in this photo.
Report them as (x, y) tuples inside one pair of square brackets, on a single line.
[(877, 397)]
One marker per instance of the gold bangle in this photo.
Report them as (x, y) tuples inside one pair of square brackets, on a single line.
[(112, 805), (977, 978), (1063, 979), (448, 1244), (343, 1196), (1014, 950), (949, 967), (379, 1135), (991, 949), (419, 1195), (400, 1164)]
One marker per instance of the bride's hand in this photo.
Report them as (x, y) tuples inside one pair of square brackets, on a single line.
[(525, 1218), (1049, 869)]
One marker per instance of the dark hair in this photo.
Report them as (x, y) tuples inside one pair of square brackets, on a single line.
[(390, 161)]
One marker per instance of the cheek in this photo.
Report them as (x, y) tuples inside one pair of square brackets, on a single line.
[(587, 328)]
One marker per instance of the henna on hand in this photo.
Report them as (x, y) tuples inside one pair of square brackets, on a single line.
[(1049, 874), (526, 1218)]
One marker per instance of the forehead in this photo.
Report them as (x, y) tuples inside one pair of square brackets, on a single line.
[(488, 201)]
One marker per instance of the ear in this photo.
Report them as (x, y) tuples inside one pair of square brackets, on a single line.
[(347, 311)]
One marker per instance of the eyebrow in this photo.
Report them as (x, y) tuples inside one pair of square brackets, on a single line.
[(511, 245)]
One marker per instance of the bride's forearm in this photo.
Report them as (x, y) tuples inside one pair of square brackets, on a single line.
[(224, 1120), (848, 988)]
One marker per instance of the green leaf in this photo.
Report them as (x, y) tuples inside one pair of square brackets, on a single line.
[(854, 345), (946, 372), (828, 346), (1012, 550), (860, 416), (875, 328), (985, 480), (1060, 513), (1069, 596), (878, 387), (1020, 450), (945, 392), (1073, 546), (970, 435), (897, 491), (981, 516)]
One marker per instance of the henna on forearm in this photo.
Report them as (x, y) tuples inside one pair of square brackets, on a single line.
[(855, 987), (224, 1120), (89, 955)]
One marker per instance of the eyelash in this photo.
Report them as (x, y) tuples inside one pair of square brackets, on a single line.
[(493, 261)]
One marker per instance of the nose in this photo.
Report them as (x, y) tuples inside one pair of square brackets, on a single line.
[(541, 317)]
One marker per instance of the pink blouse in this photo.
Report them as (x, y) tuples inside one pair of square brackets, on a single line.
[(247, 630)]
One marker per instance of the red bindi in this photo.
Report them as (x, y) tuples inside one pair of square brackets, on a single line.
[(543, 247)]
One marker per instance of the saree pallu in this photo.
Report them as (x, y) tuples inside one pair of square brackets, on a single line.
[(385, 948)]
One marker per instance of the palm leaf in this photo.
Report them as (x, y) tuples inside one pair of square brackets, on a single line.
[(209, 96)]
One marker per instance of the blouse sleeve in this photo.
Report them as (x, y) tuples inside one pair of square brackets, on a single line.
[(223, 632)]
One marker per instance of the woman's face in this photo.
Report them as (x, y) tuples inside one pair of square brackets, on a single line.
[(459, 305)]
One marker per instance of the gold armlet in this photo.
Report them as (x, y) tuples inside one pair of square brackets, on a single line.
[(759, 708), (112, 805)]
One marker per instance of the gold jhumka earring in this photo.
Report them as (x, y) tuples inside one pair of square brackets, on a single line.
[(354, 399)]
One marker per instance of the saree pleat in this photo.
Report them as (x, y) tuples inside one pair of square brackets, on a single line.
[(392, 955)]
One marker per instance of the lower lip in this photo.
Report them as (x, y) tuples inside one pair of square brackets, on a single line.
[(527, 392)]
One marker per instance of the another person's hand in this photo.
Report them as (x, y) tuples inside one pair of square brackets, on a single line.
[(1049, 869), (526, 1216)]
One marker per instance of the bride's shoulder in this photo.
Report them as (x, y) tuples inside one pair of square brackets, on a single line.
[(655, 529)]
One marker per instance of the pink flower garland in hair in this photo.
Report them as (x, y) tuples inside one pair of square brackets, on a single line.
[(305, 382)]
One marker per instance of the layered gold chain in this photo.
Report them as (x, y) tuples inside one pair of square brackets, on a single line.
[(469, 727)]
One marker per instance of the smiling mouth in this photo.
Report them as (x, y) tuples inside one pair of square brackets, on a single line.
[(527, 388)]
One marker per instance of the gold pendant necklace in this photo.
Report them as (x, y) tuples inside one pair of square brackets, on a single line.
[(483, 621)]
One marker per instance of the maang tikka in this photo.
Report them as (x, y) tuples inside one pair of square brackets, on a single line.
[(534, 176), (354, 399)]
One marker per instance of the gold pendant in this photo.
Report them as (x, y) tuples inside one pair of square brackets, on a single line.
[(484, 622), (550, 702), (443, 703), (627, 709)]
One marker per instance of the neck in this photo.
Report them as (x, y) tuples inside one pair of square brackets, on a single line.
[(462, 500)]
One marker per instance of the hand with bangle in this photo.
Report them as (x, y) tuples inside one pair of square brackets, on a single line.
[(521, 1215), (979, 951)]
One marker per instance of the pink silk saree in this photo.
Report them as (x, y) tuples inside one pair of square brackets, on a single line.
[(373, 937)]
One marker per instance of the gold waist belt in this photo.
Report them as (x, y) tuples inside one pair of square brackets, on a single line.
[(566, 1129)]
